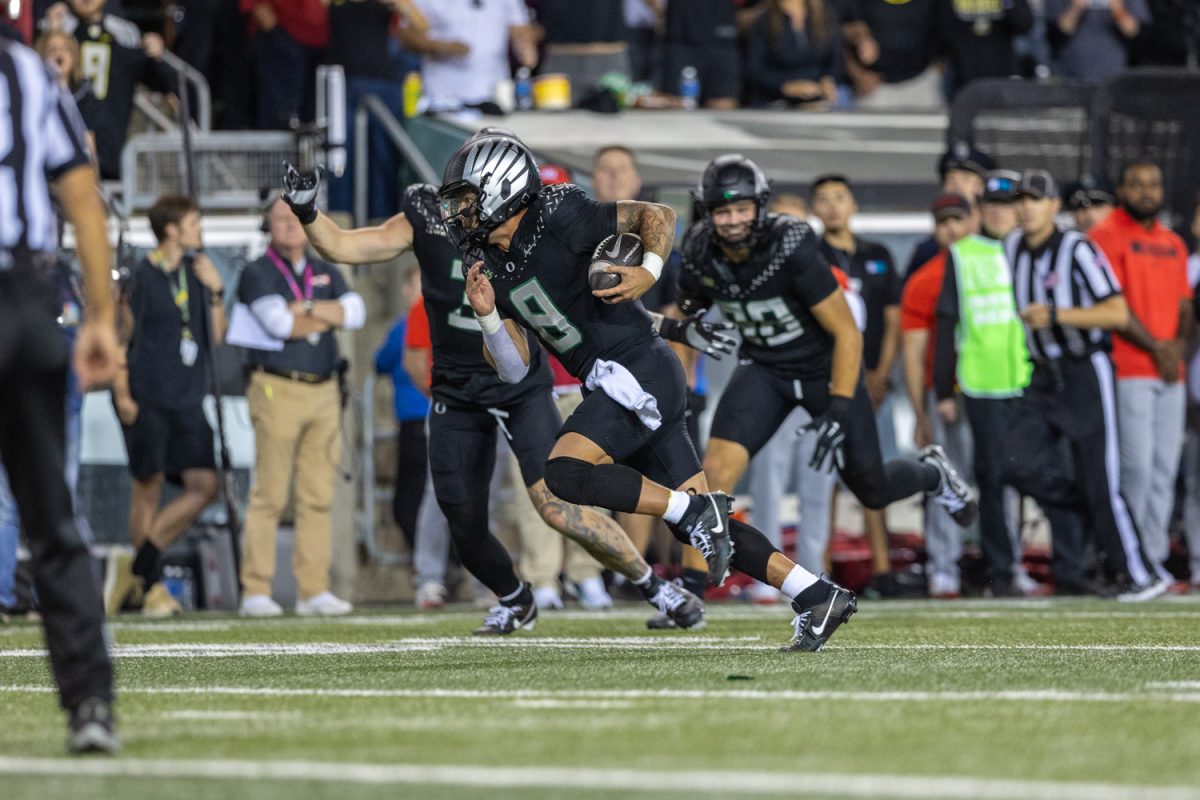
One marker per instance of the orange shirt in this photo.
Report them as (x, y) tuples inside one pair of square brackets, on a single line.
[(1151, 266), (918, 305), (416, 334)]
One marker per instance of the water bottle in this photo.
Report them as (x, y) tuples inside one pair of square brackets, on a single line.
[(412, 94), (689, 88), (524, 90)]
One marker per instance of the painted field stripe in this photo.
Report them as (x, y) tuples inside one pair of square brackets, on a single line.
[(1003, 695), (701, 782), (752, 643)]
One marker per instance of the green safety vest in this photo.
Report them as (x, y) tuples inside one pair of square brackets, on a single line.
[(993, 360)]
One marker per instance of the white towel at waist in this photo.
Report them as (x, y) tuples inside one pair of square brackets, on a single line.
[(619, 384)]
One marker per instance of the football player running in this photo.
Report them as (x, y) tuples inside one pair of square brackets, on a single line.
[(626, 447), (470, 403), (800, 346)]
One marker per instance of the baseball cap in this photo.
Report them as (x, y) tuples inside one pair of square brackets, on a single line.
[(553, 174), (1038, 184), (1000, 186), (950, 205), (1087, 193), (962, 156)]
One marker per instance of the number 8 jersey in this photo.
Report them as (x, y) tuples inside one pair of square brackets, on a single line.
[(768, 295), (541, 281), (460, 373)]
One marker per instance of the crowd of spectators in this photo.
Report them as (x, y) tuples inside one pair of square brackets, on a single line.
[(260, 56)]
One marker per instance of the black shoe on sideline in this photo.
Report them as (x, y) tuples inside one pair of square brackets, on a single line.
[(93, 728)]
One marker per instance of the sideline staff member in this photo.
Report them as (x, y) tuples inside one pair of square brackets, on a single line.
[(1070, 301), (294, 408), (46, 144)]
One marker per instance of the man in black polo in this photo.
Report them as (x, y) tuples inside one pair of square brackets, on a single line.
[(176, 307), (288, 307), (1061, 446)]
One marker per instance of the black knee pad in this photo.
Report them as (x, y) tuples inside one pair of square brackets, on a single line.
[(610, 486)]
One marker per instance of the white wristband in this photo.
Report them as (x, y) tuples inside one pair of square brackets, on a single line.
[(490, 323), (653, 263)]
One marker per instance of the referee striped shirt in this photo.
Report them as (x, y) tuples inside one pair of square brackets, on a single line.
[(41, 137), (1066, 271)]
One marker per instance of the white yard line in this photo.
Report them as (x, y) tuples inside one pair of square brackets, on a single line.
[(519, 641), (627, 780), (1002, 695)]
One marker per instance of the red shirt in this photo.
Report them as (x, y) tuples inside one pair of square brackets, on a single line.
[(918, 305), (416, 334), (306, 21), (1151, 266)]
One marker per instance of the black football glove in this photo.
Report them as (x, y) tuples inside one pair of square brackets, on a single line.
[(710, 338), (831, 435), (300, 191)]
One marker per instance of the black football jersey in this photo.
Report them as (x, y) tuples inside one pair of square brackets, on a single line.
[(460, 372), (541, 281), (768, 296)]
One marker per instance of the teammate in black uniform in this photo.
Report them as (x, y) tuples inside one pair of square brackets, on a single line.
[(470, 403), (800, 345), (626, 448)]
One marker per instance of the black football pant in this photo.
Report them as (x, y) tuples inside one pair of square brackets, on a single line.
[(412, 456), (759, 399), (1061, 450), (33, 377)]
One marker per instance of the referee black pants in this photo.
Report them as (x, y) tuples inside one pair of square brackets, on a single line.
[(1061, 450), (33, 374)]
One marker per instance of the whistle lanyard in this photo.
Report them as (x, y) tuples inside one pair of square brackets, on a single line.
[(179, 292), (286, 272)]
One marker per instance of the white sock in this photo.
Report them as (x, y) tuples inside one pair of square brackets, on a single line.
[(645, 579), (797, 581), (677, 506)]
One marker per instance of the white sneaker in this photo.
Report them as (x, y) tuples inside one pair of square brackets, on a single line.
[(944, 587), (325, 604), (547, 597), (259, 605), (1141, 595), (592, 594), (430, 596), (762, 594)]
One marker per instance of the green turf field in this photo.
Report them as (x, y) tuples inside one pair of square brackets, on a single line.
[(1085, 699)]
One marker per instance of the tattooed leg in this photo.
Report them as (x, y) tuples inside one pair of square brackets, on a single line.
[(595, 532)]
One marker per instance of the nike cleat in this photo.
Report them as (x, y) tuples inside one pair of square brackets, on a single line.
[(706, 528), (814, 625), (952, 493), (678, 608), (503, 620)]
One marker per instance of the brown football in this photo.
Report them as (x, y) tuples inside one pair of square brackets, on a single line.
[(618, 250)]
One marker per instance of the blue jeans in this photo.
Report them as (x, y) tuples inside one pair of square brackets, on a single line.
[(383, 184)]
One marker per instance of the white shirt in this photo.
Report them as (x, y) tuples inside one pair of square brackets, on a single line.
[(483, 25)]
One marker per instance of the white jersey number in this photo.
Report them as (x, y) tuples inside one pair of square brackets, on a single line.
[(539, 311), (766, 323)]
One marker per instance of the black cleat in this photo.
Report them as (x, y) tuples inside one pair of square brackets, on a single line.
[(503, 620), (92, 728), (952, 493), (678, 608), (706, 528), (814, 625)]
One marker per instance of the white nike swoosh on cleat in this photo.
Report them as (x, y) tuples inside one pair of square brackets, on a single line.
[(720, 525), (819, 629)]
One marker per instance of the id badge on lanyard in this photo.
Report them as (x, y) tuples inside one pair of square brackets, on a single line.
[(189, 348), (313, 338)]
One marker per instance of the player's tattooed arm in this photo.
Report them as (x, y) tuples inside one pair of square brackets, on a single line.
[(598, 534), (654, 222)]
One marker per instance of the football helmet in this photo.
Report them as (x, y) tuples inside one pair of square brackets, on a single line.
[(487, 180), (728, 179)]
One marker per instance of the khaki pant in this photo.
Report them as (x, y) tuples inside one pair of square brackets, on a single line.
[(295, 434), (542, 548)]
